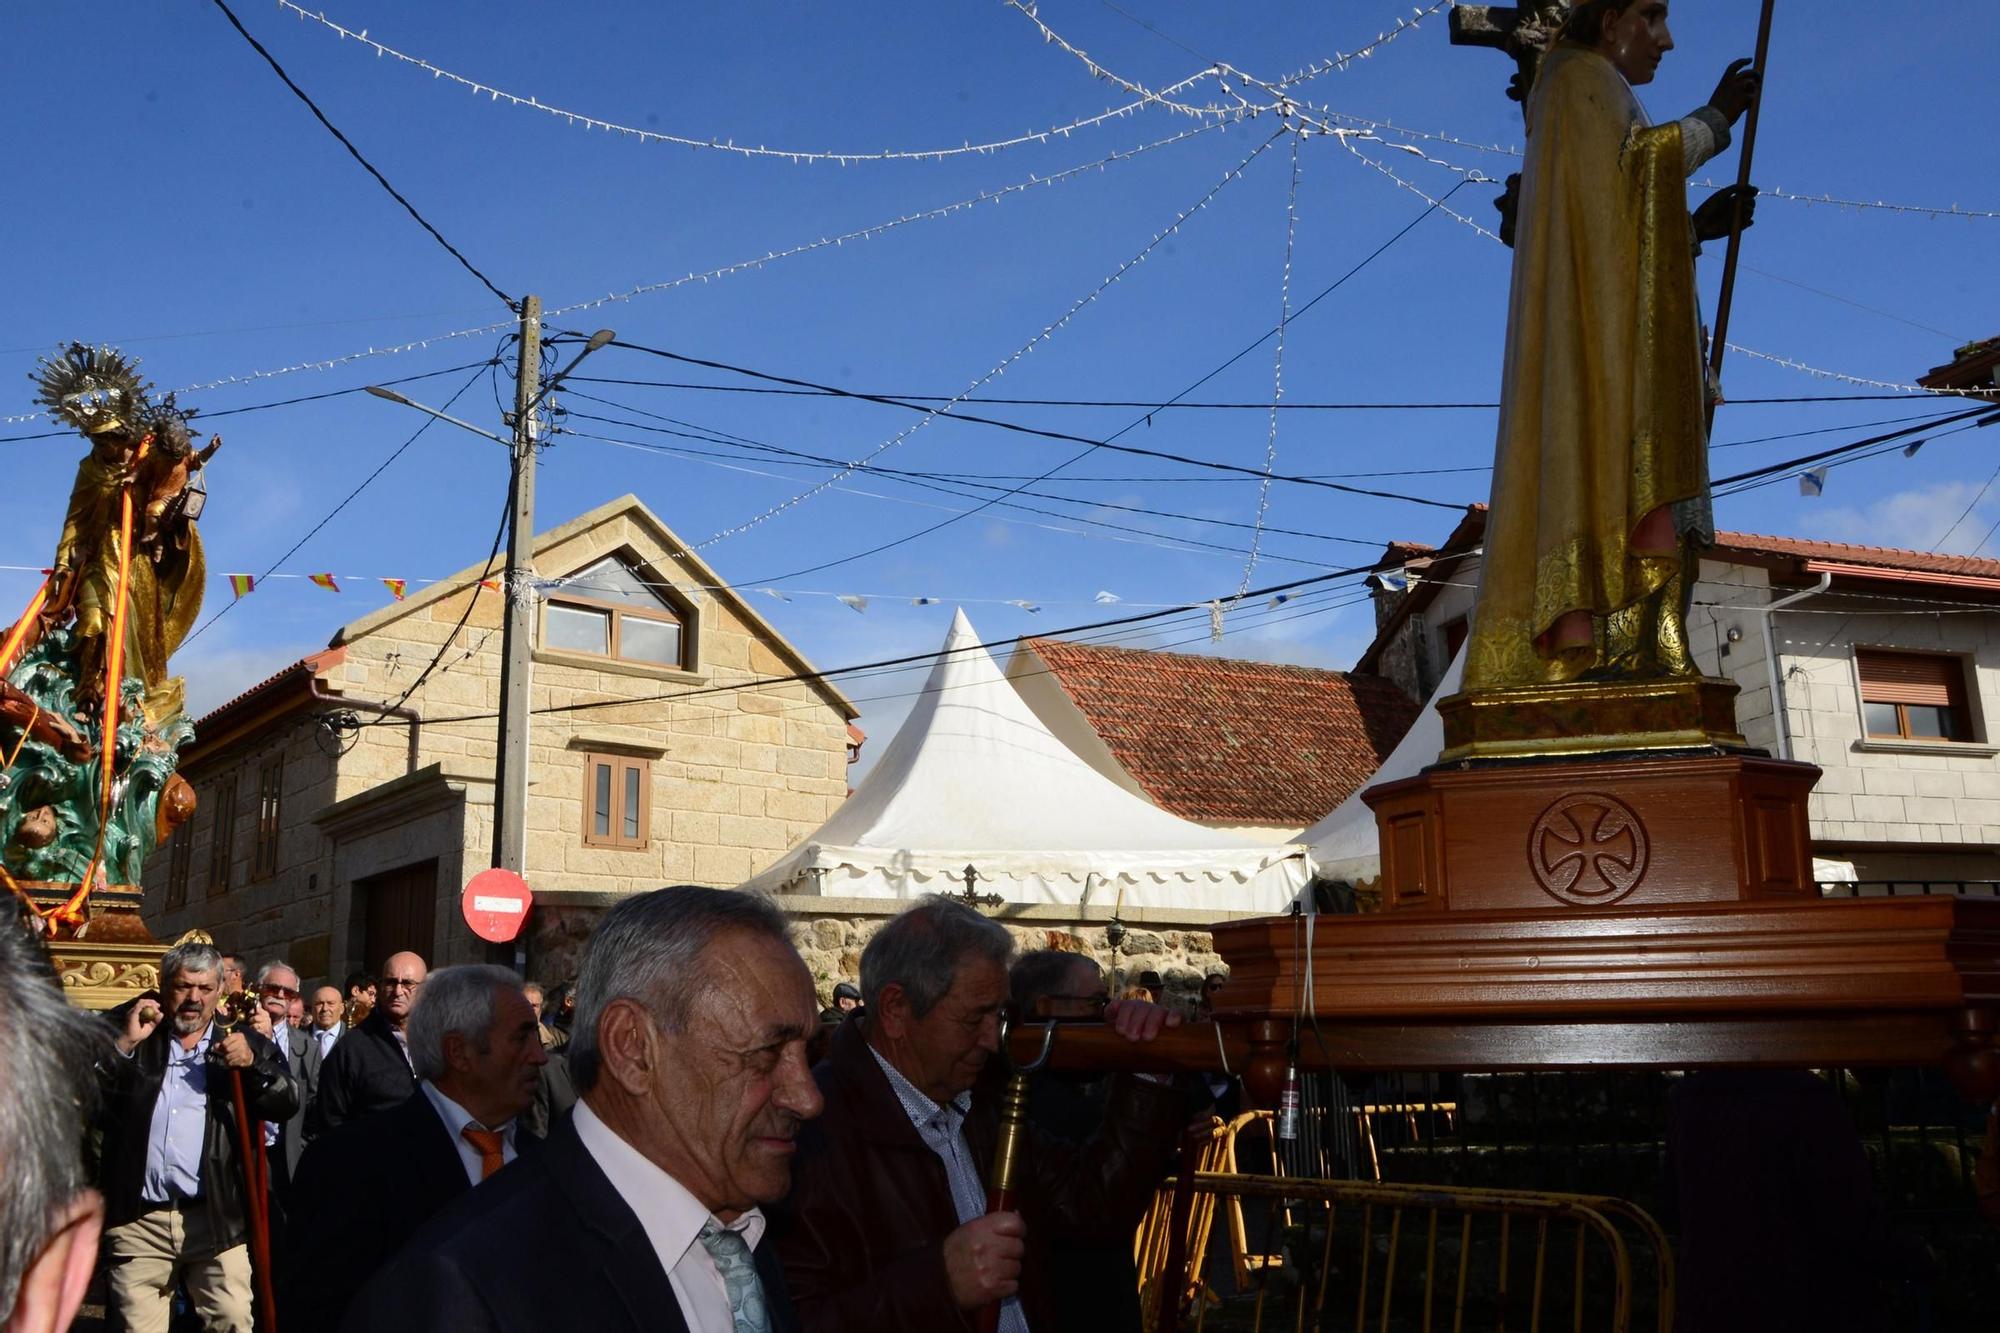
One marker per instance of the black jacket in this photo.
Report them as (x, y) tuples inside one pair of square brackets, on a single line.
[(363, 1190), (546, 1244), (365, 1073), (132, 1087)]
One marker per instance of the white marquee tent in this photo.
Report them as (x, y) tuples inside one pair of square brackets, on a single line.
[(1344, 845), (975, 778)]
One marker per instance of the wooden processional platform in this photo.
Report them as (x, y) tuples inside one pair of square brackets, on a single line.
[(1652, 909)]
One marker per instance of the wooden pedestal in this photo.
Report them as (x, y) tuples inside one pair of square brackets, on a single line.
[(1633, 833), (111, 957)]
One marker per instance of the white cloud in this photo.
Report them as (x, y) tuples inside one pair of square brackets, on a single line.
[(217, 669), (1914, 519)]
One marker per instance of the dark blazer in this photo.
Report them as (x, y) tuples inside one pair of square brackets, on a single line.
[(862, 1235), (363, 1190), (546, 1244), (302, 1062), (132, 1088), (365, 1073)]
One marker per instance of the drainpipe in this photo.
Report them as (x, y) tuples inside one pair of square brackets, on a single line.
[(1769, 612), (410, 715)]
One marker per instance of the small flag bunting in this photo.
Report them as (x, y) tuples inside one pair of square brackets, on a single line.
[(923, 601), (491, 585), (1277, 601), (395, 587), (242, 584), (326, 581), (1813, 482), (1025, 605), (773, 592), (1107, 599), (854, 602)]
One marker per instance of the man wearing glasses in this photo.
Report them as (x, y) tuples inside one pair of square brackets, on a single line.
[(277, 988), (370, 1068)]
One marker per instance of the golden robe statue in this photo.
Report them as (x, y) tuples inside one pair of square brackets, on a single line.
[(1600, 478)]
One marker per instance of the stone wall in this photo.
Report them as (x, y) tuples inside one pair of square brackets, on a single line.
[(831, 932)]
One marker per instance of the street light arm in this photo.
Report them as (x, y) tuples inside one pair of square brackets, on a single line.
[(598, 339), (390, 395)]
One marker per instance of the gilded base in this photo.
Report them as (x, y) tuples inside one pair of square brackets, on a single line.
[(111, 957), (1591, 717)]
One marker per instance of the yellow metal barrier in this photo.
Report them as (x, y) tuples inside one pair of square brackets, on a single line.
[(1365, 1117), (1367, 1230), (1155, 1235)]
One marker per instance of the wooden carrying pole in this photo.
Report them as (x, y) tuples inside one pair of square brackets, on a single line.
[(1720, 340), (256, 1202)]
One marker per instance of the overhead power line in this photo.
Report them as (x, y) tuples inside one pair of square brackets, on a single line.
[(1021, 429), (355, 153)]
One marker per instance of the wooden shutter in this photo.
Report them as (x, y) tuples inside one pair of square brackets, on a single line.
[(1911, 678)]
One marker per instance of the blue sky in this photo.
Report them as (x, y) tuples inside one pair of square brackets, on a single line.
[(171, 196)]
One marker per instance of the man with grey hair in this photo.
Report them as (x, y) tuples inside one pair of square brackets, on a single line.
[(367, 1187), (171, 1173), (887, 1229), (643, 1211), (50, 1218), (277, 987)]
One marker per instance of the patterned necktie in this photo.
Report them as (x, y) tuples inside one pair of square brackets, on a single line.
[(488, 1142), (739, 1277)]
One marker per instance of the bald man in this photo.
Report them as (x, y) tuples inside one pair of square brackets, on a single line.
[(369, 1070)]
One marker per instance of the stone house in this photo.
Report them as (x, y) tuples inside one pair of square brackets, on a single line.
[(1255, 748), (1881, 666), (345, 801)]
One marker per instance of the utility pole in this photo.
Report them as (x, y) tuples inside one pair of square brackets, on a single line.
[(510, 788)]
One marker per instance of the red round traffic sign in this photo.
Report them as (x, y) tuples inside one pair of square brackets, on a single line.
[(495, 904)]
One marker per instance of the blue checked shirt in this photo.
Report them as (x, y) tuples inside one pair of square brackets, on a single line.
[(942, 1128)]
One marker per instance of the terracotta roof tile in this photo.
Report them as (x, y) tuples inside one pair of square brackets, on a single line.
[(1219, 740), (1887, 557)]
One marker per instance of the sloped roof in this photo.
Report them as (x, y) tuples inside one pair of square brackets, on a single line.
[(1215, 739), (1882, 557), (686, 565), (975, 777), (275, 694)]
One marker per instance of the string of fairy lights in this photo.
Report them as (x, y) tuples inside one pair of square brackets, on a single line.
[(1301, 119)]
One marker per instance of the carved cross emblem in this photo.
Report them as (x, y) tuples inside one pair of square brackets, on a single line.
[(1588, 849)]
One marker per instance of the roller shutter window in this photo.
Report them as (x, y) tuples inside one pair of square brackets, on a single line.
[(1913, 696)]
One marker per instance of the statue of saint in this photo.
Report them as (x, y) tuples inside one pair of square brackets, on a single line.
[(98, 391), (1600, 479)]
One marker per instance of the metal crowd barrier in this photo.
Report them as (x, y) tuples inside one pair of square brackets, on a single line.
[(1331, 1247)]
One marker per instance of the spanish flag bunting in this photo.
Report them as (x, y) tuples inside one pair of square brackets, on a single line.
[(325, 581), (242, 584), (395, 587), (489, 585)]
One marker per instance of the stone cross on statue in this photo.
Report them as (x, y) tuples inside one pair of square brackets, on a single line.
[(1522, 33)]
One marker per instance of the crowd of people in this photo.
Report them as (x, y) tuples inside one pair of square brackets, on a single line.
[(682, 1139)]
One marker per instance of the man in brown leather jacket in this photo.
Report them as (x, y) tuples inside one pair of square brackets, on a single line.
[(886, 1228)]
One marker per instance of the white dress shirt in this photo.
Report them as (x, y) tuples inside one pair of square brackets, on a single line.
[(673, 1219), (326, 1037), (456, 1118)]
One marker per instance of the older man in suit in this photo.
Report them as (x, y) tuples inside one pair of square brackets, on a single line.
[(277, 987), (643, 1211), (366, 1187)]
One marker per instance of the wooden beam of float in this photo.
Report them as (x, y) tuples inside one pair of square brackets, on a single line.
[(1885, 982)]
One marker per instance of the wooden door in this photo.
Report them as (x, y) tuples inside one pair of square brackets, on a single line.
[(399, 908)]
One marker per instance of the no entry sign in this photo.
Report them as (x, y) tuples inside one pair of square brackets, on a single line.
[(495, 904)]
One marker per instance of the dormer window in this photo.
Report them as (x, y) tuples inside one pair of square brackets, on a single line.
[(611, 609)]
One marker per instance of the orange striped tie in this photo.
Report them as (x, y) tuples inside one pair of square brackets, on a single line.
[(488, 1142)]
